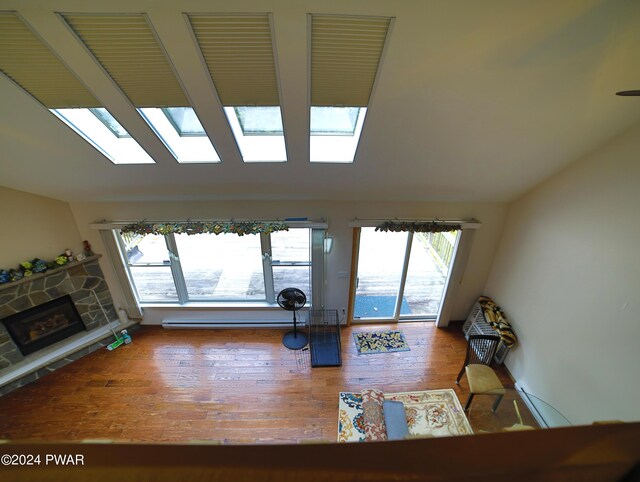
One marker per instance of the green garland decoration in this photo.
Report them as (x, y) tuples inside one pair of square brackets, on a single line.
[(28, 268), (418, 227), (210, 227)]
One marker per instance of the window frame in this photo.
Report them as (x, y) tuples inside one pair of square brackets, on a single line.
[(404, 273), (169, 115), (107, 143), (179, 145), (250, 142), (315, 263), (108, 120), (324, 146), (297, 264)]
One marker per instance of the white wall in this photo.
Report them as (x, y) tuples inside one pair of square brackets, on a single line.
[(336, 213), (567, 274), (34, 227)]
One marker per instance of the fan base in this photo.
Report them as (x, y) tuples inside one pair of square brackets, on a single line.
[(295, 340)]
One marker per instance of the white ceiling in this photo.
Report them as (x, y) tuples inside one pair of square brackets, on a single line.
[(476, 101)]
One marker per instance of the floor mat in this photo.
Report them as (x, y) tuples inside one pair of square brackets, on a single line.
[(369, 342)]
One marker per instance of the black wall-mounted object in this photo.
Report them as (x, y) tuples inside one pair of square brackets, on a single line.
[(36, 328)]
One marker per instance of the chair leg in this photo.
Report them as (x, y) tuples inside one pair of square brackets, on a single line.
[(496, 403), (460, 376), (466, 406)]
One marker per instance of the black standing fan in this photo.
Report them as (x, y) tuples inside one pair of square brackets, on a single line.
[(292, 299)]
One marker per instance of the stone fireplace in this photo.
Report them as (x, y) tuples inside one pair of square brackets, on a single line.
[(44, 325), (51, 319)]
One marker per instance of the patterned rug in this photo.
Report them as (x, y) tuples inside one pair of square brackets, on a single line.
[(432, 413), (380, 342)]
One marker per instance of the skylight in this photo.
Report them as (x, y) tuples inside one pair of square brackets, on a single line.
[(185, 121), (98, 127), (334, 133), (338, 121), (259, 121), (258, 132), (182, 133), (109, 121)]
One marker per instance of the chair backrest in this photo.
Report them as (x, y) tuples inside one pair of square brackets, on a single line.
[(481, 349)]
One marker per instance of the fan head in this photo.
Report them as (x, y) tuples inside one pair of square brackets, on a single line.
[(291, 299)]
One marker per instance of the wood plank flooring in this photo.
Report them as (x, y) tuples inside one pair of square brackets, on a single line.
[(230, 386)]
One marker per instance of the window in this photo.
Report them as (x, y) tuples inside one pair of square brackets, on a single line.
[(221, 267), (109, 121), (259, 121), (98, 127), (150, 267), (239, 53), (128, 49), (28, 62), (184, 121), (180, 268), (402, 275), (291, 260), (258, 132), (335, 132), (334, 121), (181, 131), (345, 60)]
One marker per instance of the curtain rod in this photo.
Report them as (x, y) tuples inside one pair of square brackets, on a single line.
[(373, 222), (301, 222)]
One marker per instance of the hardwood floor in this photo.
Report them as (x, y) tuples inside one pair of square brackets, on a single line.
[(231, 386)]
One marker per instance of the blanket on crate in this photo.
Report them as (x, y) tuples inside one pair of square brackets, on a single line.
[(430, 413), (496, 319)]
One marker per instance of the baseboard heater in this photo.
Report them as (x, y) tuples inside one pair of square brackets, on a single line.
[(530, 403), (220, 324)]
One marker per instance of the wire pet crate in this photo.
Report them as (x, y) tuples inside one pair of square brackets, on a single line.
[(476, 324), (324, 338)]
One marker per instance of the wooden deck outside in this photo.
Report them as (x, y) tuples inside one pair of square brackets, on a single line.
[(233, 271), (223, 267), (380, 261), (232, 386)]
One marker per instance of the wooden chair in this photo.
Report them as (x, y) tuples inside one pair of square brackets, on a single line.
[(482, 379)]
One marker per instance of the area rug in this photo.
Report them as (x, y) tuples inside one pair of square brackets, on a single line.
[(377, 306), (368, 342), (431, 413)]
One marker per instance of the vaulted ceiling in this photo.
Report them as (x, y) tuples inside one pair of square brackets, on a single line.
[(474, 101)]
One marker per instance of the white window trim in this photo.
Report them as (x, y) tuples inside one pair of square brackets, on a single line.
[(130, 297), (121, 267), (461, 253)]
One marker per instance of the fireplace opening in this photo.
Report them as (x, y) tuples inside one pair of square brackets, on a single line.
[(44, 325)]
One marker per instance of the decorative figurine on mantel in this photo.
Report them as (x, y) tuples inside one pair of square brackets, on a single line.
[(36, 265), (15, 274), (87, 248)]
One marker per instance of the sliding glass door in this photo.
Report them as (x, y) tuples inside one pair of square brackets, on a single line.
[(402, 276), (380, 266)]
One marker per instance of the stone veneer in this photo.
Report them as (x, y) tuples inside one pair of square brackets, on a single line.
[(76, 279)]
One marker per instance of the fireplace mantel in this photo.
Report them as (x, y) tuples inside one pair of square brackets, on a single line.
[(84, 282), (50, 272)]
